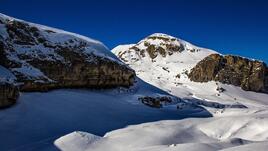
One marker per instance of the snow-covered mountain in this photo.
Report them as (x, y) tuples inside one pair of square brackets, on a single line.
[(165, 62), (41, 58), (239, 119), (162, 109), (162, 60)]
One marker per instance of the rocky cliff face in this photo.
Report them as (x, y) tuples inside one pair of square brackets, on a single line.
[(43, 58), (250, 75), (8, 94)]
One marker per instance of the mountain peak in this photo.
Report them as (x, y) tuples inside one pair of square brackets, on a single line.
[(162, 35), (157, 46), (162, 60)]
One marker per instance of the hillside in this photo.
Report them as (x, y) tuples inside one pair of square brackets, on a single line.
[(41, 58)]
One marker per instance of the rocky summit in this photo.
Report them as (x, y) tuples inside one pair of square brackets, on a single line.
[(43, 58), (250, 75), (153, 46)]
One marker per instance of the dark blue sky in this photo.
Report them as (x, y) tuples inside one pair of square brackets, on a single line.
[(228, 26)]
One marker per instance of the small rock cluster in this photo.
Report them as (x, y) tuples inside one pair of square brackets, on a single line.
[(156, 102)]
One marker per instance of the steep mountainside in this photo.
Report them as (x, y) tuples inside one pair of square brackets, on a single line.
[(42, 58)]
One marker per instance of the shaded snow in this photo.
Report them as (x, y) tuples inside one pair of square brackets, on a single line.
[(38, 119), (29, 71), (6, 75), (261, 146)]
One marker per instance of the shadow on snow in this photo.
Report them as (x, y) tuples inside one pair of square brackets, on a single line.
[(40, 118)]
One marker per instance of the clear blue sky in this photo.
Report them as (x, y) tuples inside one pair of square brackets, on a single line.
[(228, 26)]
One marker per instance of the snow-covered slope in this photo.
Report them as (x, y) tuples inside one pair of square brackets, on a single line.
[(6, 75), (56, 36), (189, 134), (24, 46), (38, 119), (52, 37)]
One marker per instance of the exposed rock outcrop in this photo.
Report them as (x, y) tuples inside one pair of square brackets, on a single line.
[(8, 94), (250, 75), (80, 74)]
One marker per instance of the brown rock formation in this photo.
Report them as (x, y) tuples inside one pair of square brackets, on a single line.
[(81, 74), (250, 75)]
